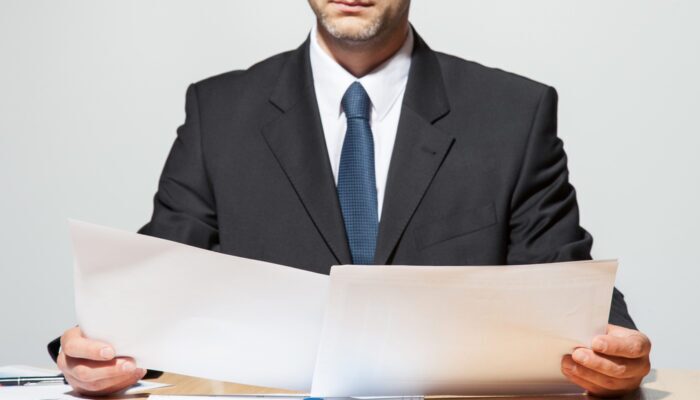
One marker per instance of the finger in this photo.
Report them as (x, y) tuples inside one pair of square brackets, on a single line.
[(616, 367), (123, 385), (596, 378), (77, 346), (105, 386), (70, 333), (589, 387), (61, 362), (90, 371), (635, 345)]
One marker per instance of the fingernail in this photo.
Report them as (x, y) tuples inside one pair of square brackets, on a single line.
[(580, 356), (128, 367), (107, 353), (142, 372), (568, 365), (599, 344)]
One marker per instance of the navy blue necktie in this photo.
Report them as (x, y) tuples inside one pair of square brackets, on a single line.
[(357, 188)]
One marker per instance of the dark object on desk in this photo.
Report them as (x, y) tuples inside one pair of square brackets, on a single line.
[(32, 380)]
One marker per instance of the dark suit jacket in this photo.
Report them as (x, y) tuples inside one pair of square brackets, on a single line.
[(478, 175)]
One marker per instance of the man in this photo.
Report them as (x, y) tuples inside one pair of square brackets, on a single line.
[(365, 146)]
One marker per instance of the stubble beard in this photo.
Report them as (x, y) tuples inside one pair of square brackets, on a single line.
[(366, 34)]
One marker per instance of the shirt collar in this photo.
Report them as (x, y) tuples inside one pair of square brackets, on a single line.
[(384, 84)]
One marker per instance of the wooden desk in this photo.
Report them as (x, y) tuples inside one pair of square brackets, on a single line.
[(666, 384)]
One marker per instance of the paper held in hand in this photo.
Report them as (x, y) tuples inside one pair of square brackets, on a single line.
[(363, 331)]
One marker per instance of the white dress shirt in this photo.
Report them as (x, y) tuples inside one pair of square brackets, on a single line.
[(385, 86)]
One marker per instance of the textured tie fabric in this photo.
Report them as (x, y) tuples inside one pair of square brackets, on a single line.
[(357, 189)]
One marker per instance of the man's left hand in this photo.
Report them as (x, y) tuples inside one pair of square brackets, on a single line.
[(614, 366)]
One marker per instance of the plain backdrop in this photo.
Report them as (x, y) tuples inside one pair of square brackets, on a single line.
[(91, 92)]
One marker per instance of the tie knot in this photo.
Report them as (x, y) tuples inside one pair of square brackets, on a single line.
[(356, 102)]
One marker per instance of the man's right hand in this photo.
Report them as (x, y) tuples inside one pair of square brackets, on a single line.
[(91, 367)]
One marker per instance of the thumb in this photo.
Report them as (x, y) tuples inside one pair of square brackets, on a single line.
[(619, 331)]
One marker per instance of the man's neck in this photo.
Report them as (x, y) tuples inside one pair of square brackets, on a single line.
[(361, 58)]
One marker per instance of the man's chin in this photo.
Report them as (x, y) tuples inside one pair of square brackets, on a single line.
[(352, 29)]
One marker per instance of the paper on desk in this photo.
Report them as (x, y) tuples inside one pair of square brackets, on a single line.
[(9, 371), (224, 396), (195, 312), (63, 392), (409, 330), (272, 397)]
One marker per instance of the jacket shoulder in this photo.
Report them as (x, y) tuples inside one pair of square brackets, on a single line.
[(464, 76)]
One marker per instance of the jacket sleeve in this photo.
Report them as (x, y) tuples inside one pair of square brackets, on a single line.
[(544, 220), (183, 207)]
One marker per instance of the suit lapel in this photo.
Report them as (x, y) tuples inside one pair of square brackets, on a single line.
[(297, 141), (419, 149)]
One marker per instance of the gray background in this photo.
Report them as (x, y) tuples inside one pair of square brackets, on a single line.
[(91, 93)]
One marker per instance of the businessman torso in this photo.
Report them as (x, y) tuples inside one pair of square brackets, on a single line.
[(477, 174)]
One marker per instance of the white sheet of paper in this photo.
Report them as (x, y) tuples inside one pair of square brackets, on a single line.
[(8, 371), (366, 331), (272, 396), (411, 330), (63, 392), (223, 396), (186, 310)]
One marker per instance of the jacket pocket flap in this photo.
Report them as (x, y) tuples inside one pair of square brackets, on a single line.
[(455, 225)]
